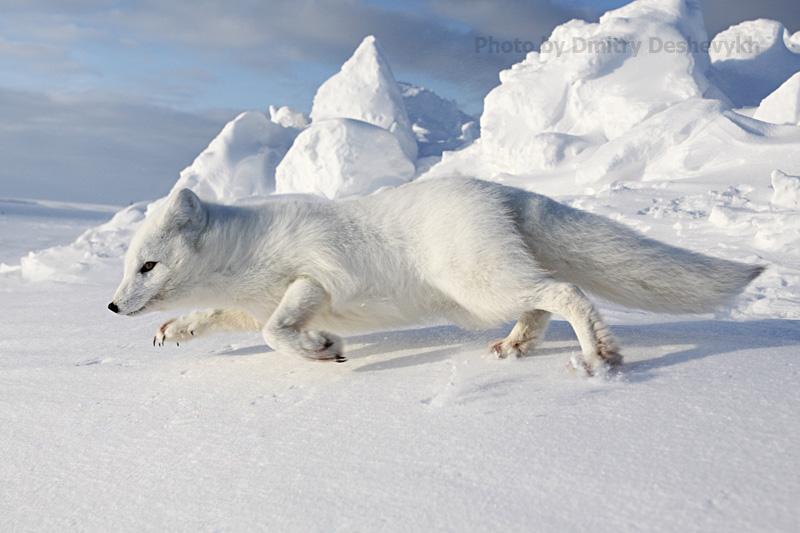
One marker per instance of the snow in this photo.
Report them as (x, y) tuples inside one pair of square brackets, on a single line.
[(438, 123), (419, 431), (365, 89), (629, 111), (241, 161), (786, 190), (416, 432), (783, 105), (288, 117), (752, 59), (564, 101), (342, 157)]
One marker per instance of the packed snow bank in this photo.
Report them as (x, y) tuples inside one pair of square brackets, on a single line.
[(783, 105), (365, 89), (343, 157), (786, 190), (623, 99), (288, 117), (360, 138), (592, 83), (438, 123), (752, 59), (690, 140), (241, 161)]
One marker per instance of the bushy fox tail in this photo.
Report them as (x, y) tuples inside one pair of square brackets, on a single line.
[(620, 265)]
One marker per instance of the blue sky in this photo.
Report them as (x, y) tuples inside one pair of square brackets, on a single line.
[(126, 92)]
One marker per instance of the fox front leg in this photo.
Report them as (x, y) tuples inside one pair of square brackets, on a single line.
[(285, 330), (199, 323)]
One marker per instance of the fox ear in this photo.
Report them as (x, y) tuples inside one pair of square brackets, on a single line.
[(187, 213)]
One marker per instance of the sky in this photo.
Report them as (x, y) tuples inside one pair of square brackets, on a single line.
[(107, 100)]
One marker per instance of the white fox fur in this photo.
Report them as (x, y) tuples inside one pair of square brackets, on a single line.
[(478, 253)]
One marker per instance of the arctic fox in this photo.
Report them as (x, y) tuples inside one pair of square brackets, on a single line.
[(477, 253)]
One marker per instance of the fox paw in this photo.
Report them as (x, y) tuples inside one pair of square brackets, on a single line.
[(321, 346), (605, 364), (175, 330), (505, 348)]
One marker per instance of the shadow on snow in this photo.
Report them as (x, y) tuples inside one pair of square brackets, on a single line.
[(438, 343)]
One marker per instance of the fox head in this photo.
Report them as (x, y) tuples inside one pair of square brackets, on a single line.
[(161, 258)]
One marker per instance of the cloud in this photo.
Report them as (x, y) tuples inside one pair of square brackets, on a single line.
[(509, 19), (274, 39), (29, 52), (274, 36), (100, 147), (436, 42)]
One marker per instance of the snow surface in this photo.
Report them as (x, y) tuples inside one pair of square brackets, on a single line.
[(699, 432)]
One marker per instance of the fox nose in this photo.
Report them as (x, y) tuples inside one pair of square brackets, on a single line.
[(113, 307)]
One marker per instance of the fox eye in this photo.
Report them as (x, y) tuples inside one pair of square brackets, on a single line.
[(147, 267)]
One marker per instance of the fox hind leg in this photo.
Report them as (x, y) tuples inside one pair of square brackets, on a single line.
[(526, 334), (598, 346)]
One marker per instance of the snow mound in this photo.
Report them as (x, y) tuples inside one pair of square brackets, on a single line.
[(90, 255), (591, 83), (752, 59), (288, 117), (438, 124), (241, 160), (622, 99), (343, 157), (783, 105), (365, 89), (689, 140), (786, 190)]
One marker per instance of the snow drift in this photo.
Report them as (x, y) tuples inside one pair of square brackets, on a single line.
[(591, 84), (438, 123), (365, 89), (783, 105), (752, 59), (342, 157), (241, 161), (606, 102)]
